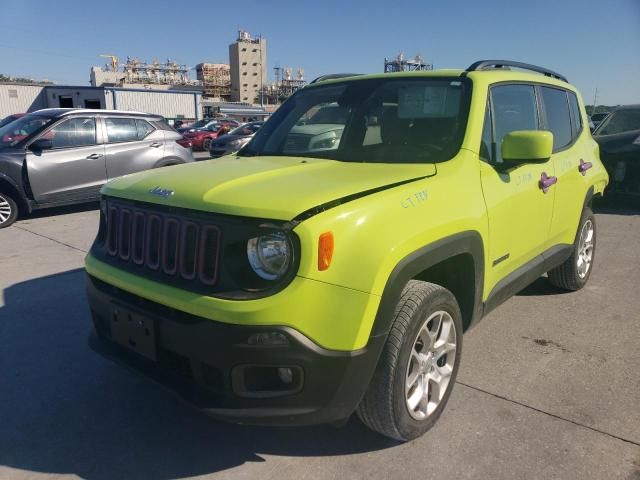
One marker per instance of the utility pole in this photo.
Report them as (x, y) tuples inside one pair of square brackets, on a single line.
[(595, 99)]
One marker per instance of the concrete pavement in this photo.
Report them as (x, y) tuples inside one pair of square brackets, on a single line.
[(549, 386)]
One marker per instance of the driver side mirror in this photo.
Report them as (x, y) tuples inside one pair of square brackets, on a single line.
[(527, 146), (41, 144)]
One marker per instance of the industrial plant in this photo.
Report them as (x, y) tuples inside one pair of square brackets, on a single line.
[(240, 88)]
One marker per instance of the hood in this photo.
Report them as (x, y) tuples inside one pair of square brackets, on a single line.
[(315, 129), (224, 139), (277, 188)]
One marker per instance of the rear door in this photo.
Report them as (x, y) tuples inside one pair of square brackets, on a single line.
[(131, 145), (74, 168), (519, 210), (561, 116)]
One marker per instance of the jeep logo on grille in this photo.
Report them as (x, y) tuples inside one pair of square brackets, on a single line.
[(161, 192)]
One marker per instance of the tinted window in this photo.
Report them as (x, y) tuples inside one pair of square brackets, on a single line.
[(514, 108), (619, 122), (144, 128), (75, 132), (558, 117), (576, 117)]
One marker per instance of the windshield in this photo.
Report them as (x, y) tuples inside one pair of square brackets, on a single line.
[(248, 129), (18, 130), (398, 120), (619, 121)]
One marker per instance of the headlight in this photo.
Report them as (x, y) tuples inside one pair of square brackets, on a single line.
[(269, 255), (237, 142)]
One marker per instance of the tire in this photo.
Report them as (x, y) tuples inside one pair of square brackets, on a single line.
[(385, 407), (574, 273), (206, 144), (8, 210)]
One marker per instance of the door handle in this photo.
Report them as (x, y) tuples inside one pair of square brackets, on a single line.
[(584, 166), (155, 144), (546, 182), (94, 156)]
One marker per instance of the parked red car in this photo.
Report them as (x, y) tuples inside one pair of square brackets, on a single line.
[(201, 138)]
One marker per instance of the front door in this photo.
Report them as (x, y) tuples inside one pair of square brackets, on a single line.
[(74, 168), (520, 211)]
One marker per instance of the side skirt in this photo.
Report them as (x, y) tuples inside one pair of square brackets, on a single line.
[(526, 275)]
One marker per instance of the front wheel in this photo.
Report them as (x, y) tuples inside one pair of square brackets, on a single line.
[(574, 273), (206, 144), (418, 366), (8, 210)]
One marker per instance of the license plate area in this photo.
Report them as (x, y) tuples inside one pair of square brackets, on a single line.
[(134, 331)]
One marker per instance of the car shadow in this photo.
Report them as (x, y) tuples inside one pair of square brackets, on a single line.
[(541, 287), (65, 410), (50, 212)]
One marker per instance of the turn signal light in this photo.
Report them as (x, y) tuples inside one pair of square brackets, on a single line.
[(325, 250)]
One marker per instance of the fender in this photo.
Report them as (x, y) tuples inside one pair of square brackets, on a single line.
[(17, 190), (412, 265)]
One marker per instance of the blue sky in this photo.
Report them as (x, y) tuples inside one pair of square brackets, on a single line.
[(594, 43)]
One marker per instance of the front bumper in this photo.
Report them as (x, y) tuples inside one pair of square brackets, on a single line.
[(201, 360)]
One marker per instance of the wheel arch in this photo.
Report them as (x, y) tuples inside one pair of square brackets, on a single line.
[(168, 161), (455, 262), (8, 186)]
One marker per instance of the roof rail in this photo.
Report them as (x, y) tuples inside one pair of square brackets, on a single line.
[(333, 76), (487, 64)]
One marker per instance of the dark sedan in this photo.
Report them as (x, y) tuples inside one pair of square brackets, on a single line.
[(234, 140), (619, 138)]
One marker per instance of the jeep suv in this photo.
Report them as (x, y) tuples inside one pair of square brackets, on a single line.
[(60, 156), (274, 288)]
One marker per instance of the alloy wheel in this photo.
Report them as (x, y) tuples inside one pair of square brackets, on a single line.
[(585, 249), (430, 366), (5, 210)]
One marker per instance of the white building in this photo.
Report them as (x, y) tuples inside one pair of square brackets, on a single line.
[(171, 104)]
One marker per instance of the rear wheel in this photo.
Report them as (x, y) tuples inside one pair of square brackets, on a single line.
[(8, 210), (206, 144), (574, 273), (418, 365)]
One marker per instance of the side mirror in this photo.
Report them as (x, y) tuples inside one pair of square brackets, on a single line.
[(41, 144), (527, 146)]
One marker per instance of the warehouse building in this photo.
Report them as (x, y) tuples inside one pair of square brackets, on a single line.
[(171, 104)]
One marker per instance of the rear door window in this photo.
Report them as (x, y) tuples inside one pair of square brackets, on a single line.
[(558, 117), (74, 132), (121, 130), (514, 108)]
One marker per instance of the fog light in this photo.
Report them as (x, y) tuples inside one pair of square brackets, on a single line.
[(268, 339), (286, 375)]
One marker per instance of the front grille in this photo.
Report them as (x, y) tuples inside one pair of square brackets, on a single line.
[(163, 244), (296, 143)]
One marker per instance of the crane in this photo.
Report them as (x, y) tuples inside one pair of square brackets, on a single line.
[(114, 61)]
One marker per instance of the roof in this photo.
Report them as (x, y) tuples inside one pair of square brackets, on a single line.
[(490, 71), (61, 112)]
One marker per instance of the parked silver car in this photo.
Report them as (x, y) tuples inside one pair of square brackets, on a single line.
[(62, 156)]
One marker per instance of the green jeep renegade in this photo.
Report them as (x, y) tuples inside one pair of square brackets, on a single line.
[(320, 272)]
